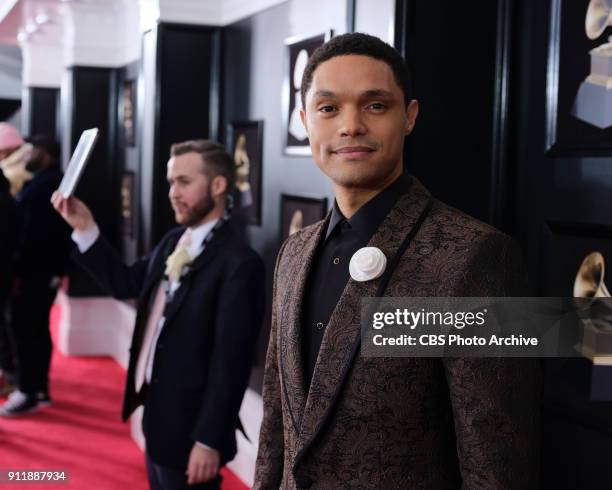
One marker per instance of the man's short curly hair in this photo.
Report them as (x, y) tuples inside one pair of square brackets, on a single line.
[(358, 43)]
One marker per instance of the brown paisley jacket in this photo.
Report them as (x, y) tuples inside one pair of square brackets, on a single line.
[(405, 423)]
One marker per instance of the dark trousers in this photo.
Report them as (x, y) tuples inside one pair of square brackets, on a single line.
[(7, 347), (30, 328), (164, 478)]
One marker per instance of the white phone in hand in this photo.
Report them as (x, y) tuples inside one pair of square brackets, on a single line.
[(78, 161)]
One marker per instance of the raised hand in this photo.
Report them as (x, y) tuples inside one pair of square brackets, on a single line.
[(74, 211)]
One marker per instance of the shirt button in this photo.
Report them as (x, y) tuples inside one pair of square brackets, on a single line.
[(319, 325), (336, 260)]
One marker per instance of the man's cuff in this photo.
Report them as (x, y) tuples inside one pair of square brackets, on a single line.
[(201, 444), (85, 239)]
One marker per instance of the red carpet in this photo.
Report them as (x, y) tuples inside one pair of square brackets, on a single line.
[(81, 433)]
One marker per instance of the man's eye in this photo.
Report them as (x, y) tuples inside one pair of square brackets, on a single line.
[(377, 106), (327, 108)]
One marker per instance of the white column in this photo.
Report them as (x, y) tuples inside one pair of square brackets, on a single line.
[(101, 34), (43, 63), (104, 34)]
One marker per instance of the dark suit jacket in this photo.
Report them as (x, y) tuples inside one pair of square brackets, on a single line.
[(405, 423), (8, 230), (205, 351), (43, 237)]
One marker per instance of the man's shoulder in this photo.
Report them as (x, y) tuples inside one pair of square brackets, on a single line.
[(235, 250), (491, 261), (238, 250), (458, 225)]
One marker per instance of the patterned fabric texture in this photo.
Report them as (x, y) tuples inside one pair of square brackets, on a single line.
[(406, 423)]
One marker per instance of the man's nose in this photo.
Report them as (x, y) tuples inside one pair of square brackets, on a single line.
[(352, 123), (172, 192)]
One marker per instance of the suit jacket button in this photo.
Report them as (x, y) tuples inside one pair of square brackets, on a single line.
[(160, 346), (155, 380), (304, 481)]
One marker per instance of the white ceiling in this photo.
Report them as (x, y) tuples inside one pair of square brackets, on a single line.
[(39, 23), (40, 17)]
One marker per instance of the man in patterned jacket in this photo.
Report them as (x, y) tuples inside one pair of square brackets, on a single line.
[(332, 418)]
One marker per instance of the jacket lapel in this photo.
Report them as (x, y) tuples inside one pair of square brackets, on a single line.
[(342, 336), (155, 273), (158, 264), (290, 331), (208, 254)]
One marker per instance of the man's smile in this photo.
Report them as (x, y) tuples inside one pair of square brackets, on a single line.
[(353, 151)]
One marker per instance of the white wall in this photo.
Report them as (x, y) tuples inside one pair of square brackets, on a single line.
[(376, 18)]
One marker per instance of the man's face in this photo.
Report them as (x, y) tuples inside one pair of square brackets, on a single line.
[(356, 121), (190, 190)]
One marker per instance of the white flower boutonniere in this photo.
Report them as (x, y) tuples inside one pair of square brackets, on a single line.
[(177, 264), (367, 263)]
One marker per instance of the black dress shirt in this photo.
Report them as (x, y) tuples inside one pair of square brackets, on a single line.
[(330, 268)]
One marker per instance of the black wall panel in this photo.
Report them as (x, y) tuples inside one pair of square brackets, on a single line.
[(41, 111), (92, 102), (561, 214), (8, 107), (493, 79), (187, 102), (453, 51)]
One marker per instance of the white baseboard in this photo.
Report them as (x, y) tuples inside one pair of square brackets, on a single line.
[(95, 327)]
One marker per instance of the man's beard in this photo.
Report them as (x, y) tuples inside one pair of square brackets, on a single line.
[(200, 210)]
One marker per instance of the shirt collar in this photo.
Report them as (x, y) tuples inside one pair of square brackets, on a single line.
[(198, 234), (370, 215)]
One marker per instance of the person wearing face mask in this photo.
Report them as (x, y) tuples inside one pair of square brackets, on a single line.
[(42, 248), (14, 153)]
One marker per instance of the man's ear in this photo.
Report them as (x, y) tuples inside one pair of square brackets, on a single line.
[(412, 111), (303, 118), (218, 186)]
